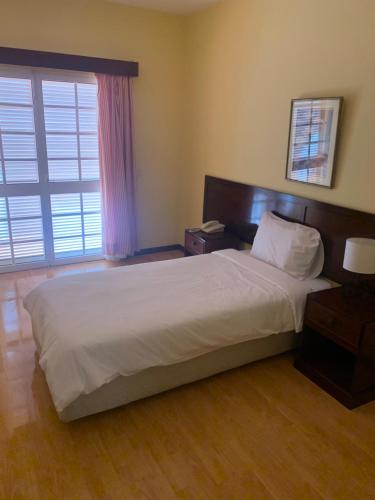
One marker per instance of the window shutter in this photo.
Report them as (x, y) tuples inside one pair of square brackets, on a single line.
[(66, 131)]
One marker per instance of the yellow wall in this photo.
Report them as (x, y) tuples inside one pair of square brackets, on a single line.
[(103, 29), (247, 60), (215, 88)]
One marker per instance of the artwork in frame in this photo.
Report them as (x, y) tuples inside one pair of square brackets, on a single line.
[(312, 140)]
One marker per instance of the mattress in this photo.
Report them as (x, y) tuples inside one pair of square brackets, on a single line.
[(93, 328)]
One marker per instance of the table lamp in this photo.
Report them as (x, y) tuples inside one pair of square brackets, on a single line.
[(359, 258)]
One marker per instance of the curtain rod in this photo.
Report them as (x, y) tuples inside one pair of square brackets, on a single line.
[(55, 60)]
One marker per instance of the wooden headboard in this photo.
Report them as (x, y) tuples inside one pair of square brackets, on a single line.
[(237, 205)]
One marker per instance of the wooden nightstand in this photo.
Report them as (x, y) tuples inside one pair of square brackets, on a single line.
[(197, 243), (337, 348)]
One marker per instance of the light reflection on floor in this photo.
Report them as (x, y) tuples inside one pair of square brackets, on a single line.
[(18, 367)]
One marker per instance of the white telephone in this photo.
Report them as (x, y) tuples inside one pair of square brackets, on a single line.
[(212, 226)]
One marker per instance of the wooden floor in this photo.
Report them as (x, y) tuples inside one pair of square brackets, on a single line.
[(259, 432)]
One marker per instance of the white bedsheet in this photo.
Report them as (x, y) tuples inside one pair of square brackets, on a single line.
[(91, 328)]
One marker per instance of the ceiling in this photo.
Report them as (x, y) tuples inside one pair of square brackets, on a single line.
[(175, 6)]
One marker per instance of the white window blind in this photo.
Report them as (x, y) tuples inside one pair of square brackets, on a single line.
[(21, 230), (76, 221), (50, 206), (71, 131), (17, 133)]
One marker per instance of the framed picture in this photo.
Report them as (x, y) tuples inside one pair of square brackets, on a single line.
[(312, 140)]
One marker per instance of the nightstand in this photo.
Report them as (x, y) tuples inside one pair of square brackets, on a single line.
[(337, 349), (197, 243)]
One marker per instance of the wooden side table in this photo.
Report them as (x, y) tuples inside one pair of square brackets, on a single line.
[(338, 345), (197, 243)]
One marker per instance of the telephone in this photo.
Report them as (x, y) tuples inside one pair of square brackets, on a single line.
[(212, 226)]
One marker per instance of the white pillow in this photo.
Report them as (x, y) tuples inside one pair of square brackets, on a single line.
[(292, 247)]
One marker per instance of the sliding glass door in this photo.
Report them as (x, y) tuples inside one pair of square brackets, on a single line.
[(50, 210)]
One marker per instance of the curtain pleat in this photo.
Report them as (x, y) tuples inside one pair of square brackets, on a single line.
[(117, 165)]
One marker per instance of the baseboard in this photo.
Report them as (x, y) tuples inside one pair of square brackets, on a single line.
[(167, 248)]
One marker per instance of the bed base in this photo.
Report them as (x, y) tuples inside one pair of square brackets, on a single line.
[(155, 380)]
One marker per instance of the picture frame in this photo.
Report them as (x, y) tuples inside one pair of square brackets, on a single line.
[(313, 131)]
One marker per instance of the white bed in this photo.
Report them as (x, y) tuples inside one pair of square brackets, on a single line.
[(110, 337)]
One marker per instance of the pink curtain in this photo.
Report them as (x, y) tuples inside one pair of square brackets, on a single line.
[(117, 166)]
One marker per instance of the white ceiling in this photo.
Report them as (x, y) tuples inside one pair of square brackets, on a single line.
[(175, 6)]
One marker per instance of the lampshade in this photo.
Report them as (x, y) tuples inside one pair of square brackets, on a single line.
[(360, 255)]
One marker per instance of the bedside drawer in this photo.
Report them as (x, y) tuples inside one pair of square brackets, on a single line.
[(345, 330), (193, 244)]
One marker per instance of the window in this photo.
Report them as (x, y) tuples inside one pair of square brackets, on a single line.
[(50, 206), (76, 223)]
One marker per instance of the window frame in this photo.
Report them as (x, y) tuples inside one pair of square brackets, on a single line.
[(45, 188)]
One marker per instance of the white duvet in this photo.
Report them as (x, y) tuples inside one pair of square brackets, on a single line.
[(91, 328)]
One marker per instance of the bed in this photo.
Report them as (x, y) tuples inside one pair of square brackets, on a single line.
[(142, 329), (111, 337)]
